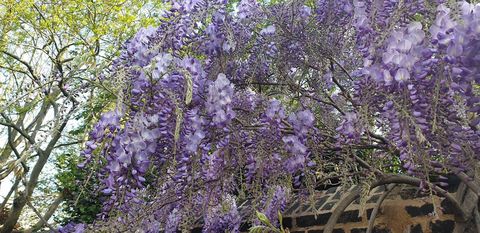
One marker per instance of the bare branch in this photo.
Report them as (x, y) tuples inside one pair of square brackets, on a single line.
[(68, 143), (373, 215), (52, 208), (9, 194), (18, 129), (14, 149), (469, 182), (41, 217), (340, 207), (30, 69)]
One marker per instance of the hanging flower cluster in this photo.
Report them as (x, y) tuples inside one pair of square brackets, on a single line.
[(225, 105)]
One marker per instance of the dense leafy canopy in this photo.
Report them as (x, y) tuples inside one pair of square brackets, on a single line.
[(227, 102)]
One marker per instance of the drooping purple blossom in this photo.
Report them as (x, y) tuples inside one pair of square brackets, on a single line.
[(201, 116), (223, 217), (219, 100)]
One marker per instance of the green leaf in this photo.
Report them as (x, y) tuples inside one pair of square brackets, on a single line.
[(280, 219), (263, 218), (257, 229)]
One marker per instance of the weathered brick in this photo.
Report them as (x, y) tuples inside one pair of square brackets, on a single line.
[(292, 208), (358, 230), (447, 207), (419, 211), (287, 222), (197, 230), (305, 207), (315, 231), (349, 216), (442, 226), (381, 230), (320, 202), (245, 226), (310, 220), (416, 229), (453, 183)]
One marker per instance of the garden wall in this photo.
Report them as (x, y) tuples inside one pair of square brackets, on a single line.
[(403, 210)]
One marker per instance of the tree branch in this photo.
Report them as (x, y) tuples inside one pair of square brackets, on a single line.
[(21, 201), (30, 69), (14, 149), (53, 207), (469, 182), (403, 179), (18, 129), (371, 221), (68, 144), (9, 194), (341, 206), (41, 217)]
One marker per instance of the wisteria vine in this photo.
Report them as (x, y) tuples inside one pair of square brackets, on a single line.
[(244, 101)]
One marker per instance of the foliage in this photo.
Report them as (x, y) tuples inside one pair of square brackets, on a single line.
[(82, 202), (268, 226), (253, 103), (52, 54)]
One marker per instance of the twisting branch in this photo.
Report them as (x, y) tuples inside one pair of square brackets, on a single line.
[(364, 164), (476, 216), (15, 151), (371, 221), (403, 179), (68, 143), (341, 206), (345, 91), (43, 155), (469, 182), (341, 67)]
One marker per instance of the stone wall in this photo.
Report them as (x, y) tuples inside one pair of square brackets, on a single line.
[(403, 210)]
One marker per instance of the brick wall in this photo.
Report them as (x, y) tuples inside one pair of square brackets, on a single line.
[(404, 210)]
